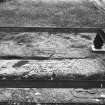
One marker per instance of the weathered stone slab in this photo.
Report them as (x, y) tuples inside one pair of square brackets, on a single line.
[(63, 69), (52, 95), (44, 44)]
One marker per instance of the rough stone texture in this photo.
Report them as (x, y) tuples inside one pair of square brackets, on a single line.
[(70, 55), (66, 46), (44, 44), (52, 95), (62, 68), (70, 58)]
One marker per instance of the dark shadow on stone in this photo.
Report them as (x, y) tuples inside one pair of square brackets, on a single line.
[(20, 63), (9, 57), (86, 37), (54, 76), (100, 76)]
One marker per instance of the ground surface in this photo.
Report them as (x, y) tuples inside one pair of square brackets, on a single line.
[(70, 55)]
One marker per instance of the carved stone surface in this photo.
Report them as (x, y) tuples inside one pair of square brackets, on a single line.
[(64, 69)]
